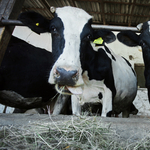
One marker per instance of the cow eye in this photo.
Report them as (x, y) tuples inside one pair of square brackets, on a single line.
[(88, 36), (53, 28)]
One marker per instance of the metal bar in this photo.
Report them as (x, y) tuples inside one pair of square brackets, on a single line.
[(5, 22), (114, 28)]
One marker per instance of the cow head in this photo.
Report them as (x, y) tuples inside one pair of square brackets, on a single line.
[(131, 39), (71, 32)]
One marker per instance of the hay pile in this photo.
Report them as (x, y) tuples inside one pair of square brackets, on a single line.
[(86, 133)]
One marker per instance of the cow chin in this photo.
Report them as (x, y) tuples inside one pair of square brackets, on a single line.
[(69, 90)]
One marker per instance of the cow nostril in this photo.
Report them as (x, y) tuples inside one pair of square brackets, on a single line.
[(75, 76), (57, 74)]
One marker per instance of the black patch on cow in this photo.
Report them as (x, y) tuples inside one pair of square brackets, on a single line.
[(92, 108), (109, 114), (106, 48), (96, 63), (25, 70), (98, 66), (129, 65), (100, 95), (54, 26), (86, 34), (31, 19), (128, 38), (58, 41)]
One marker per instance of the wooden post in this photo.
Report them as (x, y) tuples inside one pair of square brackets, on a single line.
[(9, 9)]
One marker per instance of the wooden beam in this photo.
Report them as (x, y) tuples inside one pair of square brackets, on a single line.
[(102, 11), (9, 9), (72, 3), (119, 14), (132, 10), (115, 2)]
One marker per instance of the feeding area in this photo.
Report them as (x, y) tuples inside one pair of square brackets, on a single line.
[(68, 132)]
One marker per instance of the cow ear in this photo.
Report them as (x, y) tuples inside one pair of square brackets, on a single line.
[(35, 21), (104, 34), (128, 38)]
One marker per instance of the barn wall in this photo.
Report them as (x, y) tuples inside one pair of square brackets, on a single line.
[(26, 34)]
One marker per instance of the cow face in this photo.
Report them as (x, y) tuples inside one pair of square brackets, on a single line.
[(71, 35), (67, 29), (131, 39)]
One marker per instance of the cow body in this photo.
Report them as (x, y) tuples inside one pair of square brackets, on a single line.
[(131, 39), (109, 79), (25, 70), (20, 68), (78, 69)]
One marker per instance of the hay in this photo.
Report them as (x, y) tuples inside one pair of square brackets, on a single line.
[(86, 133)]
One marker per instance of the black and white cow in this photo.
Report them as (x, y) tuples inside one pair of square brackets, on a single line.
[(24, 74), (79, 69), (132, 39)]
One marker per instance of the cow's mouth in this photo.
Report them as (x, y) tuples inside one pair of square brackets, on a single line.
[(69, 90)]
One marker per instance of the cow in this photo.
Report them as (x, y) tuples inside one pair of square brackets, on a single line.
[(132, 39), (81, 71), (24, 76)]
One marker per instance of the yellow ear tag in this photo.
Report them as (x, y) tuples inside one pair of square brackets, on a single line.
[(37, 24), (98, 41)]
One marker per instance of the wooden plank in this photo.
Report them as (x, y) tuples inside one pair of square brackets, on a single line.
[(4, 35), (130, 18), (9, 9), (102, 12)]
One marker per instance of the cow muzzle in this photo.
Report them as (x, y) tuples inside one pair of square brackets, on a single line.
[(65, 81), (64, 77)]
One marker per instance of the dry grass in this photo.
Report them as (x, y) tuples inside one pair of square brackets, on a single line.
[(79, 134)]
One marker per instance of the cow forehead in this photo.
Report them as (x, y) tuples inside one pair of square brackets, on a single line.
[(73, 18)]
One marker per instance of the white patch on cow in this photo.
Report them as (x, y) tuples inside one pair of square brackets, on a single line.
[(91, 90), (59, 104), (149, 25), (123, 76), (73, 20), (125, 80), (76, 107), (95, 48)]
